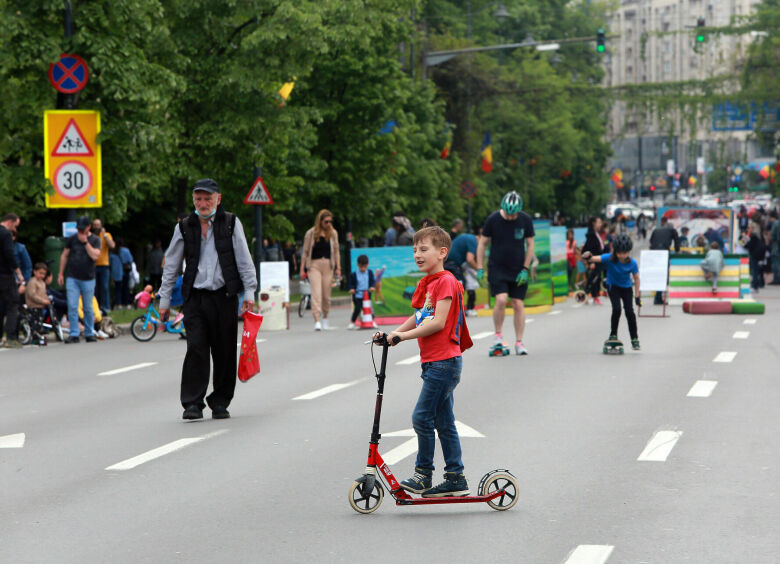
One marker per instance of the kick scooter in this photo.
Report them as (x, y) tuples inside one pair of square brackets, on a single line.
[(498, 488)]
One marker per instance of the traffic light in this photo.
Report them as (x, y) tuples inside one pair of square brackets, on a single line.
[(652, 187), (700, 23), (734, 188), (601, 39)]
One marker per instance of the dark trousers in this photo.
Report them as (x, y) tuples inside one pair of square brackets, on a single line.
[(357, 306), (212, 329), (593, 281), (102, 287), (9, 298), (472, 299), (626, 295)]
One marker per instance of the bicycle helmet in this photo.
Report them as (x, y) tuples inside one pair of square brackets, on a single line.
[(622, 243), (512, 203)]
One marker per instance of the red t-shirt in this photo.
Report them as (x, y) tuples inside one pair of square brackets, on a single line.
[(440, 345)]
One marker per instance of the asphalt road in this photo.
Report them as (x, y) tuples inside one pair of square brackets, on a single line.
[(270, 484)]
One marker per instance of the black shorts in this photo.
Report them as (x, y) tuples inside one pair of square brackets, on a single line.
[(504, 283)]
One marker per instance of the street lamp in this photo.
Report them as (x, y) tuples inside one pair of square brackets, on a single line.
[(500, 14)]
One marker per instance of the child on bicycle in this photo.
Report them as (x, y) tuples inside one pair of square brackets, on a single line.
[(439, 325), (620, 270)]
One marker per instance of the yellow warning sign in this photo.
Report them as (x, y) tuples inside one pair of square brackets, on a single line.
[(72, 158)]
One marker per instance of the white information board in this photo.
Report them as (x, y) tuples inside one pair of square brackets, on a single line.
[(653, 270), (276, 274)]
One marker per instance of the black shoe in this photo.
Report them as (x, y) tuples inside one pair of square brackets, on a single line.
[(71, 340), (91, 339), (454, 485), (192, 412), (219, 412)]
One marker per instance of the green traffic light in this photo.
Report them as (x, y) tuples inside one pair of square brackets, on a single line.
[(700, 38), (600, 48)]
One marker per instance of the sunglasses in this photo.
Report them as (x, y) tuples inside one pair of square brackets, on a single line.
[(327, 221)]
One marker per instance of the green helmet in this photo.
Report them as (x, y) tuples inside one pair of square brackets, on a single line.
[(512, 203)]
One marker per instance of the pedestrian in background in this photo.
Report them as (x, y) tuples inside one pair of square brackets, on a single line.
[(23, 259), (126, 258), (115, 268), (154, 263), (320, 261), (103, 265), (211, 245), (10, 278), (457, 227), (661, 239), (594, 244), (774, 247), (77, 273)]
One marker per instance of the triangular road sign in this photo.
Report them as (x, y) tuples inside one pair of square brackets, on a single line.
[(258, 194), (72, 143)]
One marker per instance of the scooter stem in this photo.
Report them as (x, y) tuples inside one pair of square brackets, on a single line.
[(380, 380)]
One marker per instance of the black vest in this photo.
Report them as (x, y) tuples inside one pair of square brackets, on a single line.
[(223, 226)]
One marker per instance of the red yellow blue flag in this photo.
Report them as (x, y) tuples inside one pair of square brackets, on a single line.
[(487, 154)]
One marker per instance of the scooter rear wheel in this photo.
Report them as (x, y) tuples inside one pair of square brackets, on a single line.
[(366, 504), (497, 482)]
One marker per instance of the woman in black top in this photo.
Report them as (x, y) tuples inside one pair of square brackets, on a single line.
[(595, 246)]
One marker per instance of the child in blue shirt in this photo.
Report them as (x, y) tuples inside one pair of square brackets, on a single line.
[(362, 280), (621, 268)]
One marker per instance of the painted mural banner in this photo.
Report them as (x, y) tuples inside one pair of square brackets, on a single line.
[(559, 270), (540, 288), (396, 275), (710, 223)]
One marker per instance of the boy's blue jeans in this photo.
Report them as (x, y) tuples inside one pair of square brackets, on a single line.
[(434, 412)]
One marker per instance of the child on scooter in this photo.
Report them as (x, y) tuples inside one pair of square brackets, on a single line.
[(439, 325), (620, 269)]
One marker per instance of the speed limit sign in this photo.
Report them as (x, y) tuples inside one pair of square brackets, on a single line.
[(72, 180)]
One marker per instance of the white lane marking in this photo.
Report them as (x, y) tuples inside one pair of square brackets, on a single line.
[(400, 452), (12, 441), (126, 368), (702, 389), (554, 312), (725, 356), (161, 451), (749, 322), (529, 320), (482, 335), (590, 554), (741, 334), (409, 447), (660, 446), (411, 360), (328, 390)]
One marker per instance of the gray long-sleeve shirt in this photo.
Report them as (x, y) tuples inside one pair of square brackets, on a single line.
[(209, 276)]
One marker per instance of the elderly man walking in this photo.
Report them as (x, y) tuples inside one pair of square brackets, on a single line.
[(10, 278), (218, 268)]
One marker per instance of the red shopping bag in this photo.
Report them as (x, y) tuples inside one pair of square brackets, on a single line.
[(249, 362)]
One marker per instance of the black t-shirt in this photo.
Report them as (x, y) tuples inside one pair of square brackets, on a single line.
[(80, 266), (507, 240), (321, 249)]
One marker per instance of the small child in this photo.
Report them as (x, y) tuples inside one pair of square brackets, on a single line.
[(713, 264), (37, 299), (439, 325), (620, 269), (143, 299), (360, 281)]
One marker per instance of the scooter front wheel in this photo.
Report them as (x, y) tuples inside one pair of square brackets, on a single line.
[(496, 481), (367, 502)]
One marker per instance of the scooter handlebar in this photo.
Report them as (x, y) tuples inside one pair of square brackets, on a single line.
[(381, 339)]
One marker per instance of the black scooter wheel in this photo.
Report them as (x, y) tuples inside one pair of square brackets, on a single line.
[(365, 502), (498, 481)]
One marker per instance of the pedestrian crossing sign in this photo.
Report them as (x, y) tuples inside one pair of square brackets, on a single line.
[(72, 161), (258, 195)]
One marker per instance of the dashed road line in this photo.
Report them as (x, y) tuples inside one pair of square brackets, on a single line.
[(482, 335), (590, 554), (142, 458), (702, 389), (725, 356), (555, 312), (328, 390), (126, 368), (659, 446), (12, 441), (750, 321), (741, 335), (411, 360)]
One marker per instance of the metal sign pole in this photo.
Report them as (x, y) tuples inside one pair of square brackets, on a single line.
[(258, 235)]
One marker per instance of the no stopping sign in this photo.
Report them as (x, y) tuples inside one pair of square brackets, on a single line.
[(72, 180)]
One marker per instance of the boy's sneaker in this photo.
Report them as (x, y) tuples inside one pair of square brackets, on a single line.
[(635, 344), (520, 348), (454, 485), (419, 483)]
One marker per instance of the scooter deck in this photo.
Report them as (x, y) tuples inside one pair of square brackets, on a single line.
[(613, 347), (437, 500)]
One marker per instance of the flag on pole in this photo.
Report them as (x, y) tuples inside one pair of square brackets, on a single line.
[(286, 90), (487, 154), (445, 152)]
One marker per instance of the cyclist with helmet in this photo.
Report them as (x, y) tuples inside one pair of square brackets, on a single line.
[(510, 234), (621, 268)]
